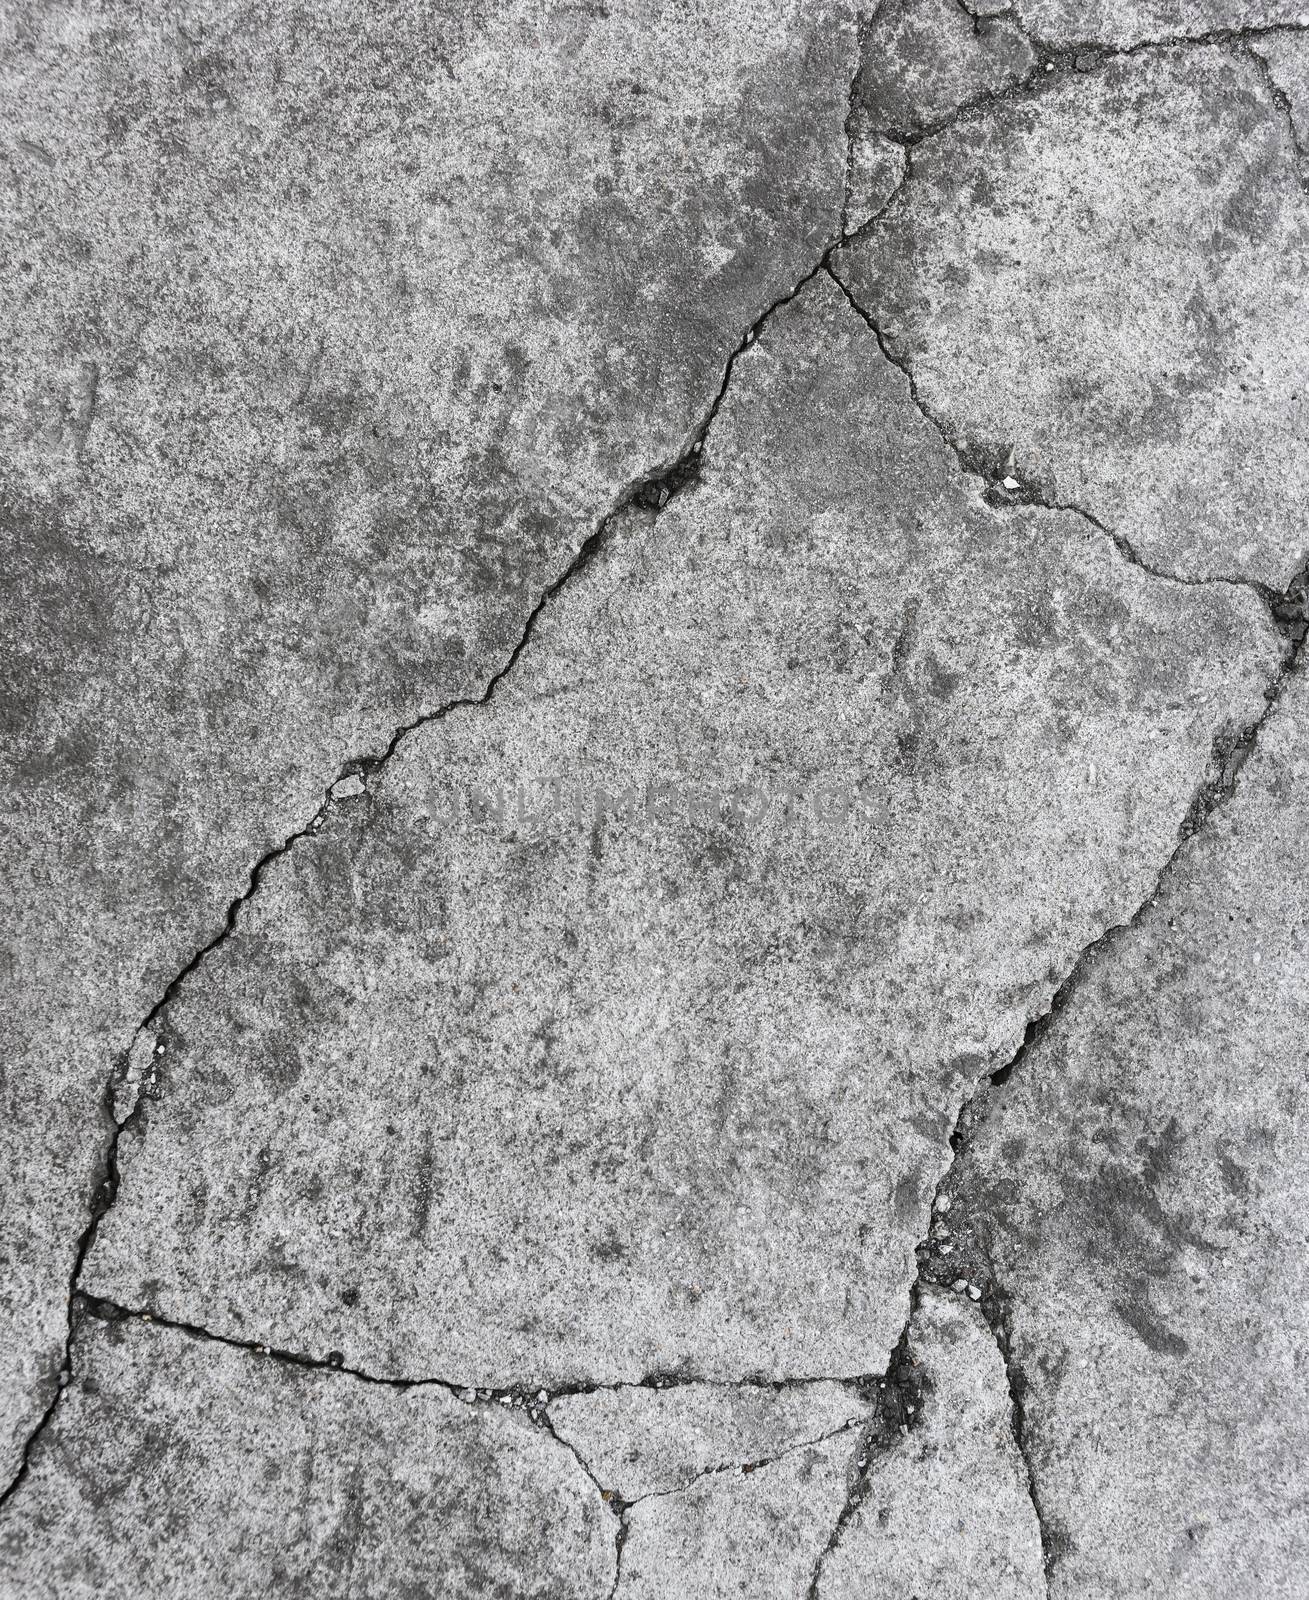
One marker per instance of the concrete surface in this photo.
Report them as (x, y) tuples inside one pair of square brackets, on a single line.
[(652, 726), (1135, 1196)]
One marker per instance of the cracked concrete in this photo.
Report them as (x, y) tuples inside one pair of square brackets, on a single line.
[(395, 959), (652, 731), (371, 362), (1106, 285), (1149, 1262)]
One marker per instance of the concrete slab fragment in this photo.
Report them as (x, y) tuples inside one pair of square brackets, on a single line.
[(180, 1466), (588, 1093), (1106, 286), (1136, 1197), (326, 340)]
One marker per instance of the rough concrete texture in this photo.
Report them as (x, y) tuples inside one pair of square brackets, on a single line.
[(759, 1535), (1287, 59), (1136, 1195), (1123, 24), (1106, 287), (947, 1511), (937, 1506), (652, 723), (319, 363), (639, 1441), (877, 167), (235, 1475), (432, 1106), (923, 59)]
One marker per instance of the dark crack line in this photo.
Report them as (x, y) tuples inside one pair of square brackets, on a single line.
[(620, 1540), (899, 1400), (528, 1395), (863, 26), (720, 1469), (532, 1402), (1053, 64), (1285, 608), (935, 1268), (1282, 101), (1072, 48), (651, 492)]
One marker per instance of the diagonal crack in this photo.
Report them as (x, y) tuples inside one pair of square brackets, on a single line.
[(935, 1265), (652, 492), (900, 1394), (1287, 608)]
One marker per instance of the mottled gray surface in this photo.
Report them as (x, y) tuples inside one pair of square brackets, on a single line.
[(837, 1133), (432, 1104), (1109, 284), (1125, 23), (1287, 58), (227, 1474), (318, 364), (640, 1441), (1139, 1191), (947, 1510), (923, 59)]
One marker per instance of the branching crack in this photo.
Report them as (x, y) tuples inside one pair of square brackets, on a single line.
[(653, 491), (1003, 489), (938, 1263)]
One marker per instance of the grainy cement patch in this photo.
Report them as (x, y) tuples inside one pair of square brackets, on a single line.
[(651, 734)]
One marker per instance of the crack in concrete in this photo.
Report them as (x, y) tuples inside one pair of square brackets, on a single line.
[(902, 1390), (1052, 65), (896, 1412), (652, 491), (1287, 608), (934, 1266), (863, 30), (1282, 101)]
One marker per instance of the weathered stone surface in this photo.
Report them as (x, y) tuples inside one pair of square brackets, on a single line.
[(923, 59), (1287, 58), (327, 339), (1124, 23), (177, 1466), (1138, 1188), (876, 168), (943, 1509), (638, 1441), (947, 1511), (583, 1099), (1109, 280), (758, 1535)]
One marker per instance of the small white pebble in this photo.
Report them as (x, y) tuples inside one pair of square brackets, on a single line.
[(946, 1247), (1010, 483), (974, 1293), (959, 1285), (943, 1203)]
